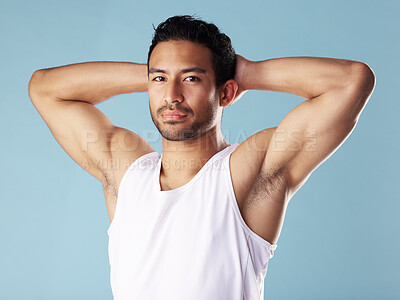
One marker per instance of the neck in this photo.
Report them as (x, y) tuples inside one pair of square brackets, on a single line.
[(185, 158)]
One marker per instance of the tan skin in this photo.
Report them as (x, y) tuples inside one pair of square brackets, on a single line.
[(267, 169)]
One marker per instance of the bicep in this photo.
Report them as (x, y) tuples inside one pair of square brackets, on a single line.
[(312, 132), (83, 131)]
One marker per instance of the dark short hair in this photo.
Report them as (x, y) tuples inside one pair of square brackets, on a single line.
[(192, 29)]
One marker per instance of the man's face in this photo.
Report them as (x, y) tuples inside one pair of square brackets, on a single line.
[(182, 92)]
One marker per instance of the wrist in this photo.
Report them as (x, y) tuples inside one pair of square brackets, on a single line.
[(242, 66)]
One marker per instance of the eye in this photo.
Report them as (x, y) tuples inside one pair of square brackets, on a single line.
[(158, 78), (192, 78)]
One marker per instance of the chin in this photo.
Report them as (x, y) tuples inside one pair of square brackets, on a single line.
[(179, 135)]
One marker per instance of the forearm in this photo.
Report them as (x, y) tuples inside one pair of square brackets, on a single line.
[(91, 82), (307, 77)]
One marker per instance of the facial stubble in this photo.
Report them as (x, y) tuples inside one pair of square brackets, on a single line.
[(199, 127)]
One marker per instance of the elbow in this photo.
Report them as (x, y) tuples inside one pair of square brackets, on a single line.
[(361, 87), (35, 85), (363, 79)]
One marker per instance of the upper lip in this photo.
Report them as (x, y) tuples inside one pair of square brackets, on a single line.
[(174, 113)]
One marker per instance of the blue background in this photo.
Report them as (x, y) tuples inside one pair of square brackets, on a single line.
[(340, 238)]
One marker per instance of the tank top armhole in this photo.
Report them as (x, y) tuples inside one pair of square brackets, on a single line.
[(124, 178), (233, 201)]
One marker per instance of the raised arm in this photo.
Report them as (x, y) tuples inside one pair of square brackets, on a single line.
[(65, 97), (282, 158), (336, 90)]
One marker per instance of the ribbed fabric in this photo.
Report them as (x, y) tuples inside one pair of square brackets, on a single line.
[(190, 243)]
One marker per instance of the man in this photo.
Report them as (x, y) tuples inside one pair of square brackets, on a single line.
[(201, 220)]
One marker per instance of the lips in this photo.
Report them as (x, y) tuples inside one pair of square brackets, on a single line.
[(176, 114)]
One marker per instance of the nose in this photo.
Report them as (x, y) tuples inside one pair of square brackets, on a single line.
[(172, 93)]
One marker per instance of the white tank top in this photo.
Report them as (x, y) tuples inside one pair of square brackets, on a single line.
[(190, 243)]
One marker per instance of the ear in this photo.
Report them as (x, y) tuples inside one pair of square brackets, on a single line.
[(227, 92)]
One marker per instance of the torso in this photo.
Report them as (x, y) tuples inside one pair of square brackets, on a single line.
[(245, 164)]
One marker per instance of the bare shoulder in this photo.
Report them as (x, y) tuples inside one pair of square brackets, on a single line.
[(247, 159), (126, 147)]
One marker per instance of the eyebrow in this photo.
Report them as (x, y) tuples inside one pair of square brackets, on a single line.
[(188, 70)]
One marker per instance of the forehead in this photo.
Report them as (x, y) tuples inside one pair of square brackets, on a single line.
[(178, 54)]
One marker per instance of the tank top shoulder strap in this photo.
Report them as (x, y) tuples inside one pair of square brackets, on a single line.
[(148, 160), (224, 154)]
